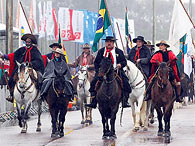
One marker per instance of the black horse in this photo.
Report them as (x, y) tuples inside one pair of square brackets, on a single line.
[(58, 100), (108, 97)]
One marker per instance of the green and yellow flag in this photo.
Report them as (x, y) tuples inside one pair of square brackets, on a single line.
[(103, 23)]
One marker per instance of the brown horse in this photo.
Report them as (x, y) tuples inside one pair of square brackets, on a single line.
[(58, 103), (108, 97), (162, 94)]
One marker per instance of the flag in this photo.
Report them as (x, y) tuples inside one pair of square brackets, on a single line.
[(33, 17), (55, 23), (60, 41), (103, 23), (187, 52), (41, 21), (127, 34), (50, 22), (23, 25), (180, 25)]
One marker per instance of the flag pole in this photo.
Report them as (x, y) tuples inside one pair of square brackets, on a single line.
[(25, 17), (187, 13), (110, 22), (121, 38)]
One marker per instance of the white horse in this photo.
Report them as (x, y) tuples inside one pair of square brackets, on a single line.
[(84, 94), (140, 109), (25, 93)]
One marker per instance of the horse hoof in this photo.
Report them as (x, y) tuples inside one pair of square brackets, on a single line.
[(136, 129), (145, 129), (23, 131), (89, 122), (61, 134), (160, 133), (104, 137), (151, 121), (55, 135), (82, 122), (113, 137), (38, 129), (167, 139)]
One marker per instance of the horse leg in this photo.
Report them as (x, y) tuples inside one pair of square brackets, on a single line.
[(160, 126), (82, 111), (133, 113), (152, 114), (137, 115), (112, 123), (54, 115), (61, 121), (104, 126), (39, 116)]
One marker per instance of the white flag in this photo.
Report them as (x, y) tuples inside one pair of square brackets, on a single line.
[(32, 17), (23, 26), (180, 25), (50, 22), (187, 52), (41, 22)]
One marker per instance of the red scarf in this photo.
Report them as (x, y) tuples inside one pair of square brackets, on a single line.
[(109, 51), (28, 52), (84, 59), (137, 56)]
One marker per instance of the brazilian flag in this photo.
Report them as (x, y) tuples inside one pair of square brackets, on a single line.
[(103, 23)]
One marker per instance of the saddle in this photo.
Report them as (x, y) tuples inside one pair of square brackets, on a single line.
[(118, 79)]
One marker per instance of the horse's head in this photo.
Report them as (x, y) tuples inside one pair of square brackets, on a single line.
[(163, 74), (82, 76), (59, 83), (106, 66), (23, 74)]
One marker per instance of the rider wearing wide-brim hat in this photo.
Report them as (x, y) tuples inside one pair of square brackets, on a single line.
[(150, 46), (54, 46), (119, 61), (164, 55), (85, 59), (28, 53), (140, 55), (58, 65)]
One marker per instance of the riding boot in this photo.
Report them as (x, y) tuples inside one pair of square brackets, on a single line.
[(93, 103), (10, 98), (125, 103), (147, 95), (178, 92)]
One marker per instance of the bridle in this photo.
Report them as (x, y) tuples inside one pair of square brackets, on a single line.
[(25, 89), (53, 86), (83, 80), (160, 79)]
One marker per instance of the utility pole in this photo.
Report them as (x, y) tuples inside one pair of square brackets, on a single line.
[(154, 23), (9, 26)]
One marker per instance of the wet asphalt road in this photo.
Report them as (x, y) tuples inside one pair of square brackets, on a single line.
[(182, 128)]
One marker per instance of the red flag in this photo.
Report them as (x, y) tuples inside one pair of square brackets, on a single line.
[(55, 23)]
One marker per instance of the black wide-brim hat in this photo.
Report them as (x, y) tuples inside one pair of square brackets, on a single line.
[(55, 44), (30, 36), (141, 38), (110, 38)]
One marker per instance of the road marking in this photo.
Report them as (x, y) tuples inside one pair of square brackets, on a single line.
[(70, 131)]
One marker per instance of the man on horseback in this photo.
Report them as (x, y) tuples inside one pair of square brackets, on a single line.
[(140, 55), (85, 59), (58, 65), (163, 55), (119, 61), (28, 53), (54, 46)]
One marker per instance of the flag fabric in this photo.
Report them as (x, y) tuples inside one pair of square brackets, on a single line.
[(50, 22), (60, 41), (103, 23), (129, 44), (187, 52), (55, 24), (23, 26), (41, 22), (180, 25), (32, 17)]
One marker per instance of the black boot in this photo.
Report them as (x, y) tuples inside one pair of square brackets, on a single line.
[(178, 93), (10, 98), (93, 103), (148, 95), (125, 103)]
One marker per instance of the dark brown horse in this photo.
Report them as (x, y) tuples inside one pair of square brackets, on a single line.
[(58, 103), (108, 97), (162, 94)]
